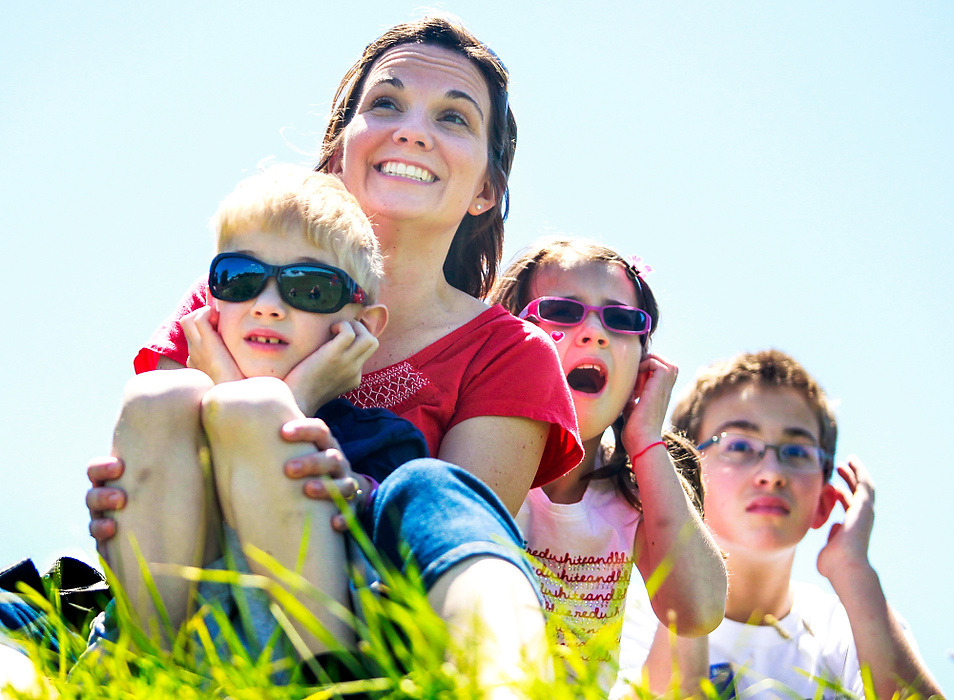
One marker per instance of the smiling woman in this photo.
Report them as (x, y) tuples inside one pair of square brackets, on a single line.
[(423, 136)]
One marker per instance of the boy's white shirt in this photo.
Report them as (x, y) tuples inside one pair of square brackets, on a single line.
[(588, 545), (765, 659)]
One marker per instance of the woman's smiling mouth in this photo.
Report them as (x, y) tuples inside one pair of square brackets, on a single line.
[(412, 172)]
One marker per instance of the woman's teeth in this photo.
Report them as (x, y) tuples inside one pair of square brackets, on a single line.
[(409, 171)]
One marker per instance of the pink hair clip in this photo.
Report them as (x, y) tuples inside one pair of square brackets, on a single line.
[(641, 268)]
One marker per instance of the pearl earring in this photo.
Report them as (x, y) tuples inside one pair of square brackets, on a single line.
[(479, 207)]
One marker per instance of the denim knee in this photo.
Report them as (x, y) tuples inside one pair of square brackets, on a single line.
[(442, 515)]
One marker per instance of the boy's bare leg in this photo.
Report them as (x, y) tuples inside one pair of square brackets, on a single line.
[(170, 508), (494, 617), (243, 420)]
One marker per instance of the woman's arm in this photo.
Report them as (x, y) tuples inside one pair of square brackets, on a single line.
[(504, 452)]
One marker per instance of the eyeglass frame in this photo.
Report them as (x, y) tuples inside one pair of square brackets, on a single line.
[(826, 460), (352, 293), (531, 313)]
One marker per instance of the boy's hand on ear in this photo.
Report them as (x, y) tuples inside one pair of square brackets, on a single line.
[(332, 369), (645, 418), (207, 351), (847, 549)]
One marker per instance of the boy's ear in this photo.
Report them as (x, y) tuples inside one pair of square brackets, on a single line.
[(827, 501), (374, 318), (484, 200)]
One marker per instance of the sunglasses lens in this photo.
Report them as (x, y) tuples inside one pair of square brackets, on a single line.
[(561, 311), (236, 279), (311, 289), (621, 318)]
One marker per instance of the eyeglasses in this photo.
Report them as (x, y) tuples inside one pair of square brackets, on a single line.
[(316, 288), (569, 312), (744, 451)]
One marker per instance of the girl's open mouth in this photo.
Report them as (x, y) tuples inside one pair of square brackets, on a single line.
[(587, 379)]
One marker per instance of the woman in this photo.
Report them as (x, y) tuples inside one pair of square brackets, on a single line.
[(423, 136)]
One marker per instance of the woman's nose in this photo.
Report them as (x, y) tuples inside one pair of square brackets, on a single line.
[(414, 130)]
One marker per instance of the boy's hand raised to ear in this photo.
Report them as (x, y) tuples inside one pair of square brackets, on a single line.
[(847, 548), (332, 369)]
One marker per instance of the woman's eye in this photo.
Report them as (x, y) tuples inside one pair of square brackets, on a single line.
[(455, 118), (383, 103)]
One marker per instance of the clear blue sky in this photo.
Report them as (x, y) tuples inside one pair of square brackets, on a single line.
[(787, 168)]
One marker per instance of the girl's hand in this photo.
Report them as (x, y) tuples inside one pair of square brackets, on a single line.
[(847, 547), (645, 417), (325, 470), (207, 351), (332, 369), (101, 498)]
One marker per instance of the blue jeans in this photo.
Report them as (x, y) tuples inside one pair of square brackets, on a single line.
[(443, 515)]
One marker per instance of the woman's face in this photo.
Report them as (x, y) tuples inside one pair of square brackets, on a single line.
[(416, 149)]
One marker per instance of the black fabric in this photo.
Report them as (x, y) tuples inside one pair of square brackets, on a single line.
[(375, 440)]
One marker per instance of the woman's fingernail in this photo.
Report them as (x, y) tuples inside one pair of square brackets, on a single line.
[(115, 500), (294, 468)]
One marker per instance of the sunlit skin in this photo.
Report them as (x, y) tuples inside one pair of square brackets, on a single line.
[(426, 108), (245, 325), (617, 355), (764, 508)]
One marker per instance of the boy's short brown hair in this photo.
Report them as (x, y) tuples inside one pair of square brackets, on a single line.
[(767, 368)]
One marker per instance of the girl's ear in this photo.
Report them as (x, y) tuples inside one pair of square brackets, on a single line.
[(484, 200), (374, 318), (827, 500)]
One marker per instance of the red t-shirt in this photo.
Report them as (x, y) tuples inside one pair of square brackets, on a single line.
[(493, 365)]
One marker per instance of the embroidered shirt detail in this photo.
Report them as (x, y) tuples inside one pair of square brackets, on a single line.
[(388, 387)]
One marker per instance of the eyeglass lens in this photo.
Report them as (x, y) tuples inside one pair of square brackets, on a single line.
[(569, 312), (745, 451)]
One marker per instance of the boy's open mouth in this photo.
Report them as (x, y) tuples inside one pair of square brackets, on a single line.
[(587, 379)]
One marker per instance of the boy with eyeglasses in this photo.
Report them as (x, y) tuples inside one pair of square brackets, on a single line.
[(767, 436), (293, 288)]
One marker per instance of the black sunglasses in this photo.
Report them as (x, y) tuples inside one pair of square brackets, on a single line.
[(313, 287), (569, 312)]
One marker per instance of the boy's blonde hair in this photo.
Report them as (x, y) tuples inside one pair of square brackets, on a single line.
[(766, 368), (291, 198)]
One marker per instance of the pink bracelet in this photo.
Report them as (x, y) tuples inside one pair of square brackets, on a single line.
[(646, 449)]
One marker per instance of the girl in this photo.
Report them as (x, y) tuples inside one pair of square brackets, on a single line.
[(587, 528)]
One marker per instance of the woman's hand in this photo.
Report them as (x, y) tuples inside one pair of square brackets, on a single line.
[(324, 471), (101, 498), (332, 369), (207, 350), (645, 417)]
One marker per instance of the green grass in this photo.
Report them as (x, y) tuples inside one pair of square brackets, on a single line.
[(402, 652)]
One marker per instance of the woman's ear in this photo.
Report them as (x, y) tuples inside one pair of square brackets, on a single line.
[(334, 163), (827, 500), (374, 318), (484, 200)]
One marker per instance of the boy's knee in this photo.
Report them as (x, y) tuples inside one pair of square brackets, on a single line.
[(158, 395), (247, 404)]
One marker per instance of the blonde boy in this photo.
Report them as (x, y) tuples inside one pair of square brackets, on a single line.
[(291, 319)]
